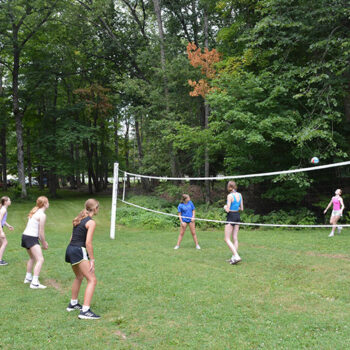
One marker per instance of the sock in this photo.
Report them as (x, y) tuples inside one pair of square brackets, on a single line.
[(35, 280), (85, 308), (74, 302), (237, 257), (29, 276)]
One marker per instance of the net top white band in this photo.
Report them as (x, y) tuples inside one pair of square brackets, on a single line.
[(291, 171), (231, 222)]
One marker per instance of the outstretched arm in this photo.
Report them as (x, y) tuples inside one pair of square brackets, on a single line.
[(330, 203)]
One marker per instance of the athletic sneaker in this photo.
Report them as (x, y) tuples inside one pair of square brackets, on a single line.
[(88, 315), (176, 247), (3, 263), (37, 286), (198, 247), (233, 261), (74, 307), (339, 229), (331, 234), (26, 280)]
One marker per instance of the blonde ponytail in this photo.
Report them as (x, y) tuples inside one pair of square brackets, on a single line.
[(90, 205), (40, 202)]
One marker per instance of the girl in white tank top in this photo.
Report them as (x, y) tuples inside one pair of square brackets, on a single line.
[(34, 232)]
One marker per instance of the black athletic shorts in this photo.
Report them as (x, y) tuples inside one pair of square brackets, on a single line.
[(233, 216), (75, 254), (29, 241)]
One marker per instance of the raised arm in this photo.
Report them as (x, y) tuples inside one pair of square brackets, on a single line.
[(42, 221), (90, 225)]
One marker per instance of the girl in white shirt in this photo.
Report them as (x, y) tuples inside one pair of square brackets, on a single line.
[(34, 232)]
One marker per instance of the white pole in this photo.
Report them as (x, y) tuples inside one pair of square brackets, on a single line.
[(114, 199)]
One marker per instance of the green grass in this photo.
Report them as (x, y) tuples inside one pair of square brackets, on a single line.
[(290, 292)]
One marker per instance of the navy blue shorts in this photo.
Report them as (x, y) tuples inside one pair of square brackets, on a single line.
[(234, 217), (75, 254), (29, 241)]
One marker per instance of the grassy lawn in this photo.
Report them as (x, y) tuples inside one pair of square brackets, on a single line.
[(292, 290)]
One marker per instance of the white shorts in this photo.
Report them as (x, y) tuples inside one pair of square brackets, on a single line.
[(336, 213)]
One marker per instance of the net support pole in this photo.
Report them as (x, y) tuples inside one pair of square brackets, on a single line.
[(114, 199)]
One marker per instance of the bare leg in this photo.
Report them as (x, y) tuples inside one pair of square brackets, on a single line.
[(30, 262), (182, 232), (3, 244), (84, 269), (193, 232), (38, 256), (235, 236), (77, 281), (228, 233), (335, 222)]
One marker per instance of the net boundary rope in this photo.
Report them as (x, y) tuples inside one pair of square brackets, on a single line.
[(231, 222), (290, 171)]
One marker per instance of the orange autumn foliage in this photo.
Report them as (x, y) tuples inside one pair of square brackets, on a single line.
[(206, 60)]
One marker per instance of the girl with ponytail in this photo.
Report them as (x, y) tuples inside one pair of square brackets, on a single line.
[(80, 255), (5, 202), (35, 231)]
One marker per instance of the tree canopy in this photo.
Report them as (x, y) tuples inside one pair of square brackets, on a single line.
[(188, 87)]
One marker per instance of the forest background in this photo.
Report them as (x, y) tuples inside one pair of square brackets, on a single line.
[(176, 88)]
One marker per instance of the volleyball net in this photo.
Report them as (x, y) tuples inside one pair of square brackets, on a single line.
[(124, 182)]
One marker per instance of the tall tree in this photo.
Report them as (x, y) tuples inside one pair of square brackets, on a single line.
[(21, 20)]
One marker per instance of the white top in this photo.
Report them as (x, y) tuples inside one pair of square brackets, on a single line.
[(32, 228)]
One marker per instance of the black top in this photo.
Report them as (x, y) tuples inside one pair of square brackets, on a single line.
[(79, 233)]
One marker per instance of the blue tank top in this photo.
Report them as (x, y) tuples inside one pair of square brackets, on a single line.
[(236, 204)]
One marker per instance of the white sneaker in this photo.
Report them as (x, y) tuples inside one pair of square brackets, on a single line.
[(331, 234), (37, 286), (198, 247), (176, 247), (339, 229), (26, 280), (238, 258)]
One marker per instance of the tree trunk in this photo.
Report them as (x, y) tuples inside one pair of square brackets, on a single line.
[(3, 141), (126, 140), (3, 157), (29, 159), (18, 117), (206, 117), (41, 177), (77, 170), (158, 12)]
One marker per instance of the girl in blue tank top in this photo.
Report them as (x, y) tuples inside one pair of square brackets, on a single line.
[(5, 203), (234, 203), (186, 211)]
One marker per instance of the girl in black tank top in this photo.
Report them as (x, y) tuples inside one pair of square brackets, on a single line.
[(80, 255), (79, 233)]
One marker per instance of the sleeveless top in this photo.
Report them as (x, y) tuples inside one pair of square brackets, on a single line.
[(79, 233), (236, 204), (4, 219), (336, 203), (32, 228)]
